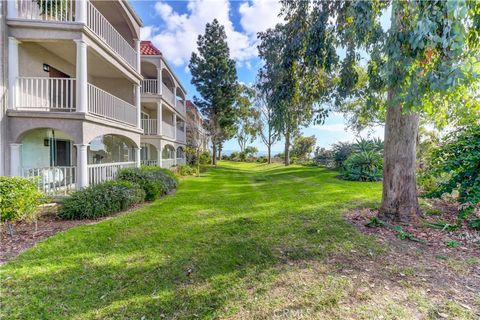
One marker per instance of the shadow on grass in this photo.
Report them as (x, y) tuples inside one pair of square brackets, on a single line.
[(188, 255)]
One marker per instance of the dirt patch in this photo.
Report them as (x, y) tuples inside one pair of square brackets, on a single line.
[(26, 234), (445, 264)]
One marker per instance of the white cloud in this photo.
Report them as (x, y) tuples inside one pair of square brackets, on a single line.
[(259, 15), (178, 39)]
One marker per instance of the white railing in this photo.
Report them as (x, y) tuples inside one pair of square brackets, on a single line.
[(168, 130), (98, 173), (46, 10), (167, 163), (52, 180), (150, 163), (180, 135), (45, 94), (168, 95), (149, 126), (149, 86), (106, 105), (100, 25), (180, 161), (181, 106)]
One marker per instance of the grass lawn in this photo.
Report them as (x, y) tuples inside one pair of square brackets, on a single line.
[(243, 241)]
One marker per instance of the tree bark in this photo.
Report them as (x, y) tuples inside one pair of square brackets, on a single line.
[(399, 197), (219, 152), (269, 157), (214, 154), (287, 149)]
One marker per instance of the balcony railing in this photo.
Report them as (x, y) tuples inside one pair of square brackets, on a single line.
[(100, 25), (181, 106), (180, 161), (46, 10), (167, 163), (180, 135), (52, 180), (106, 105), (149, 126), (168, 130), (150, 163), (98, 173), (64, 11), (168, 95), (149, 86), (45, 94)]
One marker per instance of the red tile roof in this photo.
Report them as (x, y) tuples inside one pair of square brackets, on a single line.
[(190, 104), (148, 49)]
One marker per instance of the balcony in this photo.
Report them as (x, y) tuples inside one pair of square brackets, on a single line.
[(59, 95), (149, 127), (168, 95), (149, 86), (65, 11), (181, 135)]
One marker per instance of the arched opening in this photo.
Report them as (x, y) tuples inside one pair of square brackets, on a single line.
[(149, 73), (49, 157), (149, 155), (111, 148), (180, 156), (168, 156)]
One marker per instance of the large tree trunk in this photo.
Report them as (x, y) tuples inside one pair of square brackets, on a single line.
[(214, 153), (287, 149), (219, 152), (399, 198)]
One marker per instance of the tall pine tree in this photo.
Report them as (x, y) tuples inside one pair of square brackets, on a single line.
[(215, 78)]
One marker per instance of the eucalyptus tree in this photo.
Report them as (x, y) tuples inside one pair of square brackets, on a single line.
[(282, 76), (265, 129), (247, 117), (215, 77), (425, 63)]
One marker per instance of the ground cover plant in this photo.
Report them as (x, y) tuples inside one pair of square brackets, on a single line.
[(242, 241)]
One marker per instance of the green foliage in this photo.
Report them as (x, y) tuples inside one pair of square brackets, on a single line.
[(205, 158), (363, 166), (341, 151), (455, 166), (452, 244), (19, 199), (442, 225), (303, 146), (186, 170), (101, 200), (323, 156), (474, 224), (154, 181), (248, 117), (215, 77)]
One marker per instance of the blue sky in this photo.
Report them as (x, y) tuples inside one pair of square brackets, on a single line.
[(173, 26)]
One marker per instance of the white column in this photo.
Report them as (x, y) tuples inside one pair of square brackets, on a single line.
[(175, 156), (159, 80), (137, 157), (137, 52), (82, 78), (81, 11), (138, 106), (12, 9), (15, 159), (82, 169), (175, 126), (159, 157), (159, 119), (13, 70)]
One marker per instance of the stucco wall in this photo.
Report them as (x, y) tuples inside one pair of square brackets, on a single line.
[(3, 87), (32, 57)]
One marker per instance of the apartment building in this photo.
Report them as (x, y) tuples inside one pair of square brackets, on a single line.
[(197, 136), (163, 116), (75, 105)]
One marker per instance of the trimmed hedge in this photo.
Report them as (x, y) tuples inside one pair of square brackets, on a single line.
[(101, 200), (154, 181), (19, 199)]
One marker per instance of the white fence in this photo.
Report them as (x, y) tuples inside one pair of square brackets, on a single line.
[(106, 105), (149, 126), (181, 106), (149, 86), (100, 25), (168, 130), (98, 173), (52, 180), (167, 163), (45, 94), (180, 161), (168, 95), (47, 10), (150, 163)]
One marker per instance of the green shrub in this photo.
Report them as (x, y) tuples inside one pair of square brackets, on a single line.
[(19, 199), (455, 168), (101, 200), (363, 166), (186, 170), (205, 158), (155, 181)]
